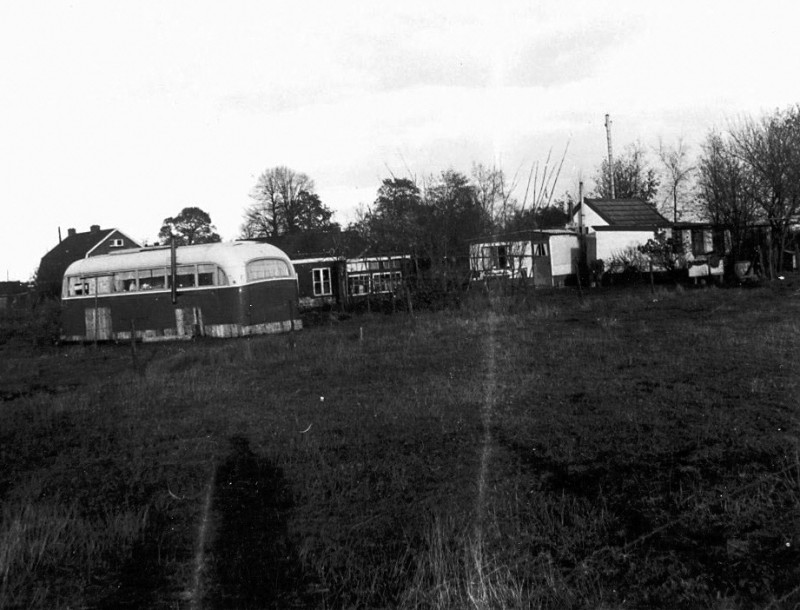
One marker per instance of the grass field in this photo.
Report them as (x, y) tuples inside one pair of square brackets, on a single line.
[(627, 450)]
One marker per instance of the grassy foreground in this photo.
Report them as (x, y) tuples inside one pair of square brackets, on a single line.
[(625, 451)]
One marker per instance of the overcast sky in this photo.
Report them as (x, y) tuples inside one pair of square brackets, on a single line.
[(122, 113)]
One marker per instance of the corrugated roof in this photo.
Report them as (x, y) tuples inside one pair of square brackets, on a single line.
[(627, 212)]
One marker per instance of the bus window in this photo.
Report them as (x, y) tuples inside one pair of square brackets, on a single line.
[(222, 278), (205, 275), (104, 284), (77, 286), (152, 279), (266, 268), (125, 281), (184, 277)]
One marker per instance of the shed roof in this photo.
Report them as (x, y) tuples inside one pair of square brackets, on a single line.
[(626, 213)]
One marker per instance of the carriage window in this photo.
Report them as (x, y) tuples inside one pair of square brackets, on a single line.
[(222, 278), (125, 281), (358, 283), (322, 281), (267, 268), (152, 279)]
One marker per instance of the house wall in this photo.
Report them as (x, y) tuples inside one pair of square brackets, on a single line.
[(590, 218)]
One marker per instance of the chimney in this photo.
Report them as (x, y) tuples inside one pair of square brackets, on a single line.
[(70, 232), (94, 228)]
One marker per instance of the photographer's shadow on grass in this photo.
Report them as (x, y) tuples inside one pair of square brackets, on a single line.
[(252, 561)]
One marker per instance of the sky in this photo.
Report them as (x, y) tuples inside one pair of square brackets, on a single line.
[(123, 113)]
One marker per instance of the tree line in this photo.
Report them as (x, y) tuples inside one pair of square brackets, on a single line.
[(748, 173)]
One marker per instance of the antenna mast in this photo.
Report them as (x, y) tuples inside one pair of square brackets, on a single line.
[(610, 156)]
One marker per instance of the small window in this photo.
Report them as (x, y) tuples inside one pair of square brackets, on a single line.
[(266, 269), (540, 249), (322, 281), (502, 257), (117, 243)]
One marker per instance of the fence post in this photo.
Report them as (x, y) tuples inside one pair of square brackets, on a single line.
[(291, 324)]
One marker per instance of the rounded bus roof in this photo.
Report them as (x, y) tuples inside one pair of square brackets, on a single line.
[(231, 256)]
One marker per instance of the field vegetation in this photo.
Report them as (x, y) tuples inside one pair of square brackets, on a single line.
[(621, 450)]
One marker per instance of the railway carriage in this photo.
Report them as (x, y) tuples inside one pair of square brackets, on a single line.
[(157, 293)]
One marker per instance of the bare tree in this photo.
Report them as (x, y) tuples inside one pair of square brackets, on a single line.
[(494, 193), (677, 174), (771, 148), (726, 190), (284, 202), (633, 176)]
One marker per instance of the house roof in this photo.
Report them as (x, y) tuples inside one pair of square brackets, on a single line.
[(626, 213), (73, 247)]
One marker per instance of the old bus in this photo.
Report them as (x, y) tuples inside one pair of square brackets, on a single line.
[(218, 290)]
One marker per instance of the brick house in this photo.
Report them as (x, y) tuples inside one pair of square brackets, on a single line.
[(74, 247)]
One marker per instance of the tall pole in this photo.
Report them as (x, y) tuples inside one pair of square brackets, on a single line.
[(610, 156), (173, 268)]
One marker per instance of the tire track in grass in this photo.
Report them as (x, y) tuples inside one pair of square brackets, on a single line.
[(195, 594)]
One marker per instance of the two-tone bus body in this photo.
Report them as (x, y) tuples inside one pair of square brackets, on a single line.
[(220, 290)]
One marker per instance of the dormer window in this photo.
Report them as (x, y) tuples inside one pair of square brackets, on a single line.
[(117, 243)]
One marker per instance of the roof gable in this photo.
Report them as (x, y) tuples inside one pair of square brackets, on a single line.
[(626, 213)]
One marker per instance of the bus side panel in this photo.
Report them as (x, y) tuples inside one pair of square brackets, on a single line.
[(269, 302), (221, 312)]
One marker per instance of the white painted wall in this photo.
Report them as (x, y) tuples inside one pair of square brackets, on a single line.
[(563, 254)]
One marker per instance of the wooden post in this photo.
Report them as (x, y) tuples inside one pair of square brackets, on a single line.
[(652, 282), (761, 258), (173, 268), (134, 359), (96, 313), (291, 325)]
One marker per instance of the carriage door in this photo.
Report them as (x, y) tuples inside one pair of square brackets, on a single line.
[(98, 323)]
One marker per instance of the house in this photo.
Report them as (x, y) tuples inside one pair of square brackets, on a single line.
[(337, 268), (612, 226), (547, 258), (76, 246)]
